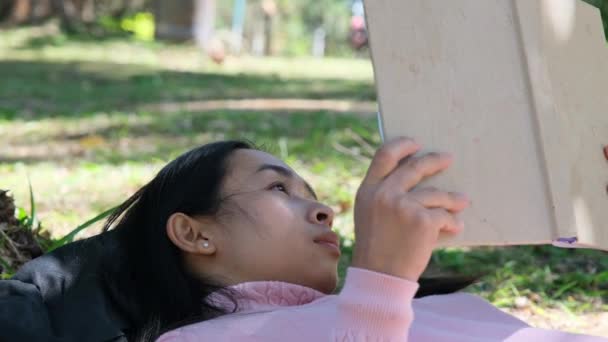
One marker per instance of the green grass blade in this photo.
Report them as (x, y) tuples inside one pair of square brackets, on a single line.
[(32, 222), (564, 288), (70, 236), (7, 268)]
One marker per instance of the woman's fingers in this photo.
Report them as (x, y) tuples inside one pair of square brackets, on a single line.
[(447, 222), (387, 158), (414, 170), (431, 197), (397, 223)]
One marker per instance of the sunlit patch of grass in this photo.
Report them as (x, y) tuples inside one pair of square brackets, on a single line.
[(47, 44)]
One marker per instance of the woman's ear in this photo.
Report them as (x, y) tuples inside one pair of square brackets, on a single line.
[(190, 235)]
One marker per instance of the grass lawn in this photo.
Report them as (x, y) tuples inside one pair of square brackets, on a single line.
[(87, 122)]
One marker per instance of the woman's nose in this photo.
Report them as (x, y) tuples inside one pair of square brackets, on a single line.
[(322, 214)]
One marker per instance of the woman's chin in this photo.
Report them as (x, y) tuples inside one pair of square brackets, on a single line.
[(329, 283)]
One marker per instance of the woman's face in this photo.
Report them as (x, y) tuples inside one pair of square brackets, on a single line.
[(272, 227)]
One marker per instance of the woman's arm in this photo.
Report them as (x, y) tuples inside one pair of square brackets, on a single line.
[(374, 307), (397, 226)]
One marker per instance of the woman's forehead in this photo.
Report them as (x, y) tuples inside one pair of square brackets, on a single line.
[(249, 161), (247, 164)]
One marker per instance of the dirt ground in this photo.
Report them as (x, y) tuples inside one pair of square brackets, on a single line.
[(590, 323)]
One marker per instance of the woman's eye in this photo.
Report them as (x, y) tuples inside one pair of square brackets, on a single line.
[(280, 187)]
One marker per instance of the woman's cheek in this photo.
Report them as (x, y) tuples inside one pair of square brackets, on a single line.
[(278, 211)]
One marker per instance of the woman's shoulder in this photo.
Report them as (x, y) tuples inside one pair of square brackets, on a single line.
[(223, 328), (265, 309), (268, 323)]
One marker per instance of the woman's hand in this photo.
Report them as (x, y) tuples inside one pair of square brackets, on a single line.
[(397, 225)]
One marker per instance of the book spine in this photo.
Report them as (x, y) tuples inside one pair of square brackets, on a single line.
[(529, 17)]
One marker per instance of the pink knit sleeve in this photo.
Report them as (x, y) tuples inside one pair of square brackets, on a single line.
[(177, 336), (374, 307)]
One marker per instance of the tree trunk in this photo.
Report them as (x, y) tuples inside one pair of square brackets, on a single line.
[(66, 11), (87, 12), (41, 9), (21, 11), (269, 9), (173, 19), (267, 35)]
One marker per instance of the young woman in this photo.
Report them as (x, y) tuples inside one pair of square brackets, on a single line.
[(232, 240), (227, 243)]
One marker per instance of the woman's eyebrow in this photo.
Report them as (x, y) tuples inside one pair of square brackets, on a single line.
[(287, 173)]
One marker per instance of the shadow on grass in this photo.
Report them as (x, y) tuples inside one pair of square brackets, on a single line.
[(550, 273), (31, 90), (132, 137), (57, 40)]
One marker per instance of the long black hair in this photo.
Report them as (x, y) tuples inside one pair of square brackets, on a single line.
[(154, 291), (151, 277)]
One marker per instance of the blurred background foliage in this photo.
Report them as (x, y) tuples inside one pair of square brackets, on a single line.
[(287, 27), (269, 27)]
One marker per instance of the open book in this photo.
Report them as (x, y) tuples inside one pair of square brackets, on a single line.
[(517, 91)]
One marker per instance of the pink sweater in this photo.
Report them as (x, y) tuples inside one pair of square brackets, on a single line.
[(371, 307)]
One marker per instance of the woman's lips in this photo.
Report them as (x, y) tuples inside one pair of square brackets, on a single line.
[(332, 246), (331, 241)]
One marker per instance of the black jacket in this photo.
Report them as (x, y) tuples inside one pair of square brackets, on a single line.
[(62, 297)]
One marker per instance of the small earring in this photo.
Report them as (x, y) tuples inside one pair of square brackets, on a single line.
[(205, 244)]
